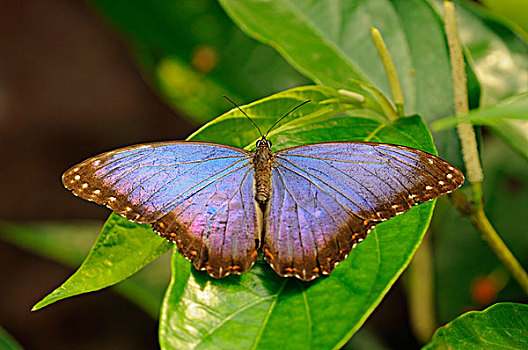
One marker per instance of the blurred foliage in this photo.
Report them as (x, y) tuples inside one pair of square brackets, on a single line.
[(514, 10), (462, 257), (498, 54), (192, 53), (7, 342)]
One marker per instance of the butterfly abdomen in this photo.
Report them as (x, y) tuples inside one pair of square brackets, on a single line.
[(262, 161)]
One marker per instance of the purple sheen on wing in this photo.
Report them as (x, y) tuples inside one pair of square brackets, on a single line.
[(222, 216)]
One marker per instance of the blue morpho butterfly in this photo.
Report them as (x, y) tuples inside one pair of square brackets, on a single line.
[(306, 207)]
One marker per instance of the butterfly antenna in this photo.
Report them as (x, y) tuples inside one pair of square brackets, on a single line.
[(284, 116), (244, 113)]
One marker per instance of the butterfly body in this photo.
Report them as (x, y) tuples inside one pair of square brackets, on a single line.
[(304, 207), (263, 162)]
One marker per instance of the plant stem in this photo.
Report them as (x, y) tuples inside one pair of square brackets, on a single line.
[(474, 208), (458, 68), (388, 65), (491, 236)]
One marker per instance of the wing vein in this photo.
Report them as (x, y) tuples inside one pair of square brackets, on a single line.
[(183, 194), (323, 191)]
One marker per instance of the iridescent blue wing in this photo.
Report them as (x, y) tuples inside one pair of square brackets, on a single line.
[(327, 197), (198, 195)]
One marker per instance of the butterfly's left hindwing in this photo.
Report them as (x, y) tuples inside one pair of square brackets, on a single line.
[(199, 195)]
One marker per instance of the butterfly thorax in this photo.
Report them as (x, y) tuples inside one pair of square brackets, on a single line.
[(262, 161)]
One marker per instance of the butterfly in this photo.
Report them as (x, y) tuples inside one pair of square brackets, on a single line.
[(304, 207)]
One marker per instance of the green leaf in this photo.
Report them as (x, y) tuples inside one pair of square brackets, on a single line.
[(329, 42), (515, 107), (501, 119), (7, 342), (251, 310), (502, 326), (121, 249), (167, 37)]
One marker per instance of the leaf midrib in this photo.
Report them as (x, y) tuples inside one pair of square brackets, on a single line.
[(268, 314)]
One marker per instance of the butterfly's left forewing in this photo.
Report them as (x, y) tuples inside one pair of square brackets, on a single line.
[(198, 195), (327, 197)]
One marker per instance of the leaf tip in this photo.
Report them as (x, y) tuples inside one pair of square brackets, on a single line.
[(39, 305)]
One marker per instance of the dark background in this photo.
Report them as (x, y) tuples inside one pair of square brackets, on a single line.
[(68, 90)]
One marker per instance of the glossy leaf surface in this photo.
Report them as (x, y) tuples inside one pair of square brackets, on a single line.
[(200, 310), (502, 326)]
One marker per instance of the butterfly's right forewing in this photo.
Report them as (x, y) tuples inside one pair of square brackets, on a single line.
[(198, 195)]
